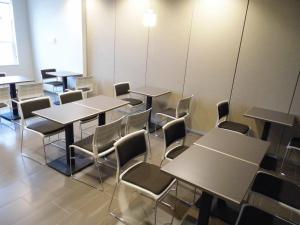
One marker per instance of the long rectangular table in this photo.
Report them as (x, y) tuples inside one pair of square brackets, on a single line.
[(269, 117), (223, 164), (12, 81), (150, 93), (67, 114), (215, 174)]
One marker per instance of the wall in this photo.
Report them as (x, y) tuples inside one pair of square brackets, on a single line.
[(57, 34), (25, 67), (214, 49)]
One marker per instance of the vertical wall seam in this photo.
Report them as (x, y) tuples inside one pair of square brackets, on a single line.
[(294, 93), (147, 56), (115, 34), (188, 49), (239, 51)]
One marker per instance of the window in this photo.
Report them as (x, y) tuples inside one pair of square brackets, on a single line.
[(8, 47)]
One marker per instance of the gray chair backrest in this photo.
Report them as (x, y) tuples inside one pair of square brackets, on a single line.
[(130, 147), (183, 107), (2, 74), (174, 131), (4, 94), (70, 96), (223, 109), (106, 135), (30, 90), (137, 121), (122, 89), (28, 106), (45, 75)]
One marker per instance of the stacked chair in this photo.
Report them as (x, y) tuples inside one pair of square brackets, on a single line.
[(5, 100), (84, 84)]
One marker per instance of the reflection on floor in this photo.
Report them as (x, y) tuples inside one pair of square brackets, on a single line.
[(35, 194)]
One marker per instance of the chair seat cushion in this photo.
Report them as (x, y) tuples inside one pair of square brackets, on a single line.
[(88, 119), (87, 144), (176, 151), (295, 142), (149, 177), (133, 101), (238, 127), (46, 127), (54, 83), (269, 162), (171, 112), (2, 105)]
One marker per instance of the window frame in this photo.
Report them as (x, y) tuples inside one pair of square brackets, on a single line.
[(14, 39)]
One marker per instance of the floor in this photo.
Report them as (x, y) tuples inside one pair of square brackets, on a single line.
[(31, 193)]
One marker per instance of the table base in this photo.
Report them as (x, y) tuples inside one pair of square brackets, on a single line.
[(61, 165), (10, 116), (226, 212)]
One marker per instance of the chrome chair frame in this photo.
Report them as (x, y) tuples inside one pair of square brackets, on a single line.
[(112, 132), (5, 100), (119, 175), (24, 126)]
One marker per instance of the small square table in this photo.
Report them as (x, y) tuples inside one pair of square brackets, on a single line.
[(12, 81), (242, 147), (64, 75), (102, 104), (270, 116), (67, 114), (216, 174), (150, 92)]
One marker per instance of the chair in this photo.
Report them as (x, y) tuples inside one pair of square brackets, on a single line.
[(121, 90), (71, 96), (99, 145), (138, 121), (250, 215), (5, 100), (280, 190), (28, 91), (174, 133), (294, 144), (144, 177), (85, 84), (182, 110), (43, 127), (222, 122), (2, 74), (51, 83)]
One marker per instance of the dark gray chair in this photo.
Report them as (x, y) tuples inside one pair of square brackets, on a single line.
[(2, 74), (174, 139), (250, 215), (141, 176), (121, 90), (278, 189), (224, 123), (99, 145), (72, 96), (43, 127), (294, 145), (51, 80)]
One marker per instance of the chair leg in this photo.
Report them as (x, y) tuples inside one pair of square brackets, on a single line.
[(45, 156), (22, 138), (150, 150), (99, 176), (155, 213), (80, 127), (284, 159)]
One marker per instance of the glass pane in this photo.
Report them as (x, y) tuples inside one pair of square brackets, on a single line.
[(7, 56), (6, 23)]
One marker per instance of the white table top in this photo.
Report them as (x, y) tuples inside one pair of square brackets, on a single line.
[(14, 79), (223, 176), (242, 147), (271, 116), (66, 113), (150, 91), (64, 74), (102, 103)]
